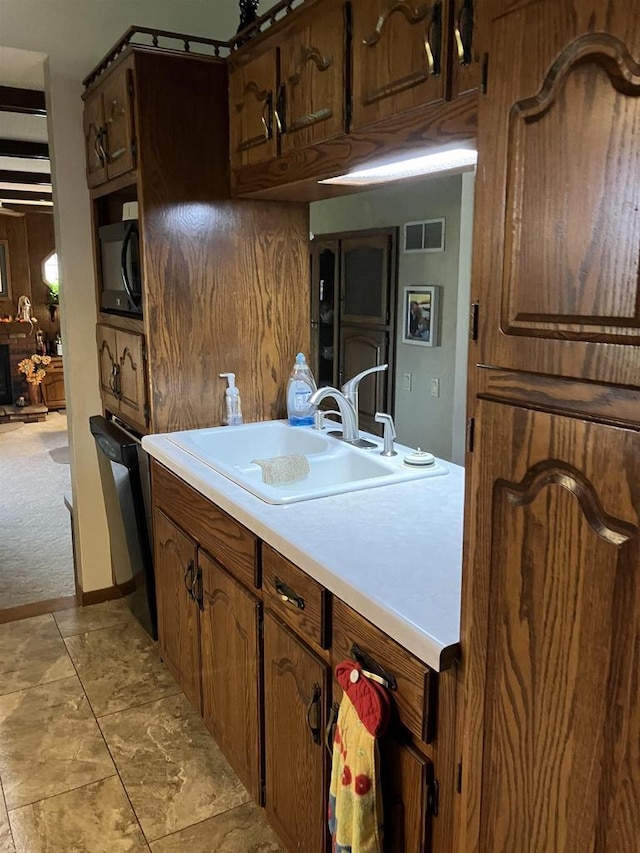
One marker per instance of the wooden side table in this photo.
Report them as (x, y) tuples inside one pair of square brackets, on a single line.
[(53, 385)]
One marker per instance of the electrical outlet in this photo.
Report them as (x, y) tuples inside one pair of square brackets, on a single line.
[(435, 386), (406, 382)]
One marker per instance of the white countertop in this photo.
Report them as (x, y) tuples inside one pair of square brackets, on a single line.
[(393, 553)]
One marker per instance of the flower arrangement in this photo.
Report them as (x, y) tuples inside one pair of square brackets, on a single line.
[(34, 368)]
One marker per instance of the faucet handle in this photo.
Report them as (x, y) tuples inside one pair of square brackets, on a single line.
[(389, 433)]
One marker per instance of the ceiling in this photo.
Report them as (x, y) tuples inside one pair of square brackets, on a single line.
[(25, 168)]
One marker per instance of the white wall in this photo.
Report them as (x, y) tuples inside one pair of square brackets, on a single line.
[(421, 420), (75, 35)]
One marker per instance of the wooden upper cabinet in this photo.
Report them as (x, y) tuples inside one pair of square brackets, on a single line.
[(553, 654), (95, 140), (399, 60), (559, 281), (464, 46), (252, 120), (109, 126), (311, 103), (117, 94)]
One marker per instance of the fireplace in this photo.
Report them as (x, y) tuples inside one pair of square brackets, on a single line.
[(6, 390)]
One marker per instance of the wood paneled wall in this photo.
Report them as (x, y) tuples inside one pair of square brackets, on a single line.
[(13, 229), (40, 244)]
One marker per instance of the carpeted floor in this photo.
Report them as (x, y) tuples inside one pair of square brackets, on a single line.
[(36, 561)]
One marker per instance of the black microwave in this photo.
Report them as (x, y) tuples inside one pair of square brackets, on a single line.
[(121, 290)]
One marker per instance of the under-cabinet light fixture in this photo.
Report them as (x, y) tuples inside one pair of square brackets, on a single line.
[(441, 161)]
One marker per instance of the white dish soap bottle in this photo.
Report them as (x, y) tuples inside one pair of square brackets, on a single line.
[(232, 399), (300, 387)]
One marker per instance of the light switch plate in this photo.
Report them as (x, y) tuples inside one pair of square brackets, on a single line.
[(406, 382), (435, 386)]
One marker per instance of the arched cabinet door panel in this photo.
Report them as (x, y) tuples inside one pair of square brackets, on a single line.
[(553, 633), (558, 283)]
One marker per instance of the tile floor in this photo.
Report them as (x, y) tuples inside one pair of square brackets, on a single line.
[(100, 752)]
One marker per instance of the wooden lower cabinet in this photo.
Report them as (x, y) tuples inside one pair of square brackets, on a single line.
[(178, 616), (53, 385), (296, 698), (407, 777), (231, 672)]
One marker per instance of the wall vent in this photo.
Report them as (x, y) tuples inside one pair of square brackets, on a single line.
[(424, 236)]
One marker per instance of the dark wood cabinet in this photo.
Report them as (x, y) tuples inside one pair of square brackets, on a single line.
[(399, 59), (312, 74), (354, 294), (109, 127), (551, 604), (466, 47), (252, 105), (296, 698), (176, 566), (231, 670), (52, 387), (407, 785)]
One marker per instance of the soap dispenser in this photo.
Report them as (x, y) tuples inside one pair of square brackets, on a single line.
[(232, 398)]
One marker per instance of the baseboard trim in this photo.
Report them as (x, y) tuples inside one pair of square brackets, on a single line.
[(37, 608), (97, 596)]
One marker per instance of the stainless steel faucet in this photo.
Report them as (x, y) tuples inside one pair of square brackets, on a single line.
[(347, 412), (350, 387)]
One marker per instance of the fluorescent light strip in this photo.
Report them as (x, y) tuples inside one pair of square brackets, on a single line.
[(428, 164), (11, 201)]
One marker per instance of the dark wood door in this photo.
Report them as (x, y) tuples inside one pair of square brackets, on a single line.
[(559, 281), (178, 622), (465, 47), (366, 285), (95, 140), (132, 383), (295, 705), (406, 777), (312, 73), (398, 57), (108, 366), (360, 349), (252, 122), (231, 672), (555, 634), (118, 115)]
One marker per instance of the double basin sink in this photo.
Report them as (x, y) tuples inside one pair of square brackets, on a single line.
[(334, 466)]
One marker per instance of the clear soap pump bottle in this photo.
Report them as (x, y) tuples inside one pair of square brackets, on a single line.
[(232, 399)]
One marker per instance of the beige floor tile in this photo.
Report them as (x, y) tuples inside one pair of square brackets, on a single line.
[(171, 768), (6, 841), (31, 653), (96, 818), (78, 620), (120, 667), (49, 742), (241, 830)]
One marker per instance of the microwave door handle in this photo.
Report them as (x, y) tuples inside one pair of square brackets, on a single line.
[(123, 265)]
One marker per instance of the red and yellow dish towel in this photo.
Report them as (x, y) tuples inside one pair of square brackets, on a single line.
[(355, 806)]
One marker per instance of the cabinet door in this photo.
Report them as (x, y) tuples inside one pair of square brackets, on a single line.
[(132, 386), (252, 88), (231, 683), (398, 57), (551, 634), (366, 280), (53, 386), (406, 777), (312, 71), (360, 349), (295, 705), (108, 366), (178, 622), (466, 56), (118, 115), (95, 140), (559, 281)]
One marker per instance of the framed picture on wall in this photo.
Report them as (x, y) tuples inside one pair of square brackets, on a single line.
[(421, 315)]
